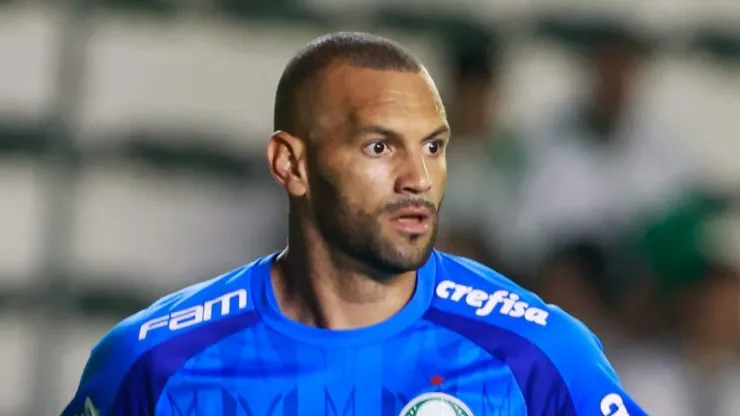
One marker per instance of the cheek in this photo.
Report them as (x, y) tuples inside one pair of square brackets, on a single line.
[(362, 193), (371, 178), (352, 189), (375, 174), (439, 175)]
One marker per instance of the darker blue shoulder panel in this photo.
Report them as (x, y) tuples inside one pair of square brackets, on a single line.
[(557, 361), (542, 386), (136, 340)]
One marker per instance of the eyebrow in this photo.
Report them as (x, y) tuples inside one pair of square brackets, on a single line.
[(374, 129)]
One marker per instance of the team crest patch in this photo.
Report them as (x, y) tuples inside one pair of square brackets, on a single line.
[(436, 404)]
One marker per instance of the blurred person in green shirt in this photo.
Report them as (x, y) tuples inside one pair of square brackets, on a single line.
[(489, 159)]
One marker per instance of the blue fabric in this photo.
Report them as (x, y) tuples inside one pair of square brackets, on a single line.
[(468, 342), (539, 381)]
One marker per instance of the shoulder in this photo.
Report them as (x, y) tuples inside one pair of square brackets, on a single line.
[(468, 288), (191, 307), (558, 363), (470, 292), (204, 308)]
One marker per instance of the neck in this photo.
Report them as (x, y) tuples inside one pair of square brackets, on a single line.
[(472, 113), (603, 117), (320, 286), (471, 120)]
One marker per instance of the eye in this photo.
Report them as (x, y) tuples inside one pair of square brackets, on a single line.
[(376, 149), (434, 147)]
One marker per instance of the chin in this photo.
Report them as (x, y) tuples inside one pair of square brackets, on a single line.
[(406, 257)]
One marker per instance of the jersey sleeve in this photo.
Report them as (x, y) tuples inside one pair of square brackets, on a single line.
[(592, 382), (101, 391), (596, 388)]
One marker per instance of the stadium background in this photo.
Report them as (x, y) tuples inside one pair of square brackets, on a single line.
[(131, 164)]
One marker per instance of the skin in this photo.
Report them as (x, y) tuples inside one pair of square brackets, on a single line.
[(615, 67), (470, 115), (376, 144)]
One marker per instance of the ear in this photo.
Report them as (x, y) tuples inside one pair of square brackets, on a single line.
[(286, 156)]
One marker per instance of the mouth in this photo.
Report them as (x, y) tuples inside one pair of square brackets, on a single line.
[(413, 221)]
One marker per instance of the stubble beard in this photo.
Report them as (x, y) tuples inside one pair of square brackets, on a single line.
[(358, 234)]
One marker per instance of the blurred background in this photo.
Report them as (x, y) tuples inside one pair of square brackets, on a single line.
[(595, 160)]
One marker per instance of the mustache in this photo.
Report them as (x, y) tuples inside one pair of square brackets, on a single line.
[(410, 203)]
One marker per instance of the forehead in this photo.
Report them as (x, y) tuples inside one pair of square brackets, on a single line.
[(401, 100)]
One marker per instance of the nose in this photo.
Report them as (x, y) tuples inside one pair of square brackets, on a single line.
[(414, 178)]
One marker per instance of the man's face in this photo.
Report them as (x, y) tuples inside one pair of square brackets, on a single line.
[(377, 167), (615, 67)]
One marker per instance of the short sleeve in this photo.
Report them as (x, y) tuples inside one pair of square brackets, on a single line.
[(99, 392), (592, 382)]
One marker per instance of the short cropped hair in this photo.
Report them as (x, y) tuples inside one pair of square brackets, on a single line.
[(295, 90)]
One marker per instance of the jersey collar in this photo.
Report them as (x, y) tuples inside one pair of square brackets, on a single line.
[(267, 307)]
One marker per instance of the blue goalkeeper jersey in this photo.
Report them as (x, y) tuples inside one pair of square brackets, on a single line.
[(469, 342)]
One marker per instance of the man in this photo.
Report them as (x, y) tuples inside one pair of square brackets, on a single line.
[(358, 315), (604, 170), (489, 155)]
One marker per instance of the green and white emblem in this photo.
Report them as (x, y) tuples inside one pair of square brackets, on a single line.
[(435, 404)]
